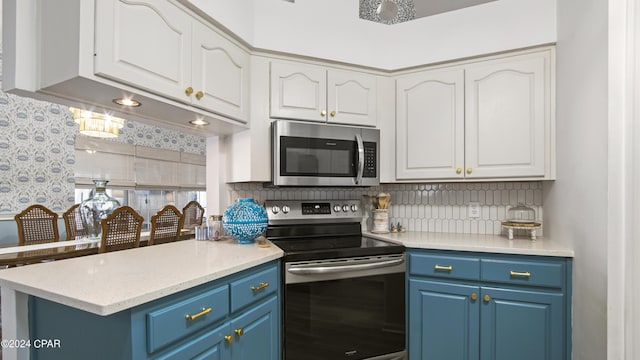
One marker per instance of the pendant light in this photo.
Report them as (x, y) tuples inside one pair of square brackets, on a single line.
[(97, 125), (387, 10)]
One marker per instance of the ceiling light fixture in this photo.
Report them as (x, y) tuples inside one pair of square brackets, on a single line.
[(127, 102), (387, 10), (198, 121), (97, 125)]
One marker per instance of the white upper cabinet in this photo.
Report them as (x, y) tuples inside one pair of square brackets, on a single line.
[(430, 124), (481, 120), (314, 93), (156, 46), (146, 44), (507, 116), (220, 70)]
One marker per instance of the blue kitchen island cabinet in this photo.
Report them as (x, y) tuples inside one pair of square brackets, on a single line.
[(233, 318), (466, 305)]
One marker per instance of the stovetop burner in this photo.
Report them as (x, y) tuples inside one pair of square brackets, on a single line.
[(335, 247), (317, 230)]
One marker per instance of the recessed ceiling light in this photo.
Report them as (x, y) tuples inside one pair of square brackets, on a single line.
[(198, 121), (127, 102)]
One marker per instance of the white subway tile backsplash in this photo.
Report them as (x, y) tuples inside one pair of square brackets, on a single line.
[(423, 207)]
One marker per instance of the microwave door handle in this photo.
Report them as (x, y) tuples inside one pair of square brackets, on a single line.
[(360, 159)]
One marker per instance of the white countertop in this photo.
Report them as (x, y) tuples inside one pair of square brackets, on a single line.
[(106, 283), (475, 242)]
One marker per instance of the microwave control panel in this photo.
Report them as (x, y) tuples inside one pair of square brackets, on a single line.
[(370, 160)]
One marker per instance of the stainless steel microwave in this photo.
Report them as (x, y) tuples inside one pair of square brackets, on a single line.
[(317, 154)]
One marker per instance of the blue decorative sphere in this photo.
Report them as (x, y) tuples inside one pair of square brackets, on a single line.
[(245, 220)]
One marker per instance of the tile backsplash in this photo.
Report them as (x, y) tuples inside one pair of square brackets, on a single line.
[(439, 207)]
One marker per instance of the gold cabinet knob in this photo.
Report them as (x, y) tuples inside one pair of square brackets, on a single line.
[(474, 297), (239, 331), (199, 95), (469, 170), (333, 113), (486, 298), (323, 113), (188, 91), (459, 171), (228, 338)]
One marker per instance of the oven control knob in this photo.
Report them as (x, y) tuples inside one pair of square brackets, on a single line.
[(354, 208), (345, 208), (285, 209), (275, 209), (336, 208)]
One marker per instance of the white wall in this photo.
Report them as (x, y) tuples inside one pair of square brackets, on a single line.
[(623, 300), (331, 29), (576, 203)]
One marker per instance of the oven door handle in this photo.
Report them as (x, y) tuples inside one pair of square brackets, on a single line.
[(306, 270), (360, 159)]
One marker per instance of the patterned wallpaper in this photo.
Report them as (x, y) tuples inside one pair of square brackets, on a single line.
[(153, 136), (36, 143)]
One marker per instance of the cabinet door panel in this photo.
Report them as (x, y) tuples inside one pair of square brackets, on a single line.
[(430, 125), (352, 96), (298, 91), (259, 337), (144, 44), (520, 324), (443, 321), (506, 110), (210, 346), (221, 72)]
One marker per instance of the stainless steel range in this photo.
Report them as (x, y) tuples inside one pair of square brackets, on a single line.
[(344, 294)]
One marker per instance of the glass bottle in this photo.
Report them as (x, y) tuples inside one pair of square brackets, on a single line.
[(96, 208)]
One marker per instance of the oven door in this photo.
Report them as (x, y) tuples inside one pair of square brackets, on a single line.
[(307, 154), (345, 309)]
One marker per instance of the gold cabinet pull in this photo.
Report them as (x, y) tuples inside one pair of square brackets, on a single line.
[(188, 91), (239, 331), (518, 273), (459, 171), (333, 113), (260, 287), (474, 297), (204, 311), (469, 170), (199, 95), (228, 338), (486, 298), (443, 268), (323, 113)]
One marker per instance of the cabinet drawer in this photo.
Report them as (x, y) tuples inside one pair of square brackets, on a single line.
[(539, 273), (253, 287), (458, 267), (186, 316)]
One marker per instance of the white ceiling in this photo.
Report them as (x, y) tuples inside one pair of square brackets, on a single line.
[(431, 7)]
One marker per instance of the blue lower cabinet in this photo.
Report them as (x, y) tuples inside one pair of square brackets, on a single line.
[(444, 320), (256, 333), (521, 324), (518, 308), (212, 345), (199, 323)]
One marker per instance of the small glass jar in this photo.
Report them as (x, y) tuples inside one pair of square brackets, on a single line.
[(216, 231)]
